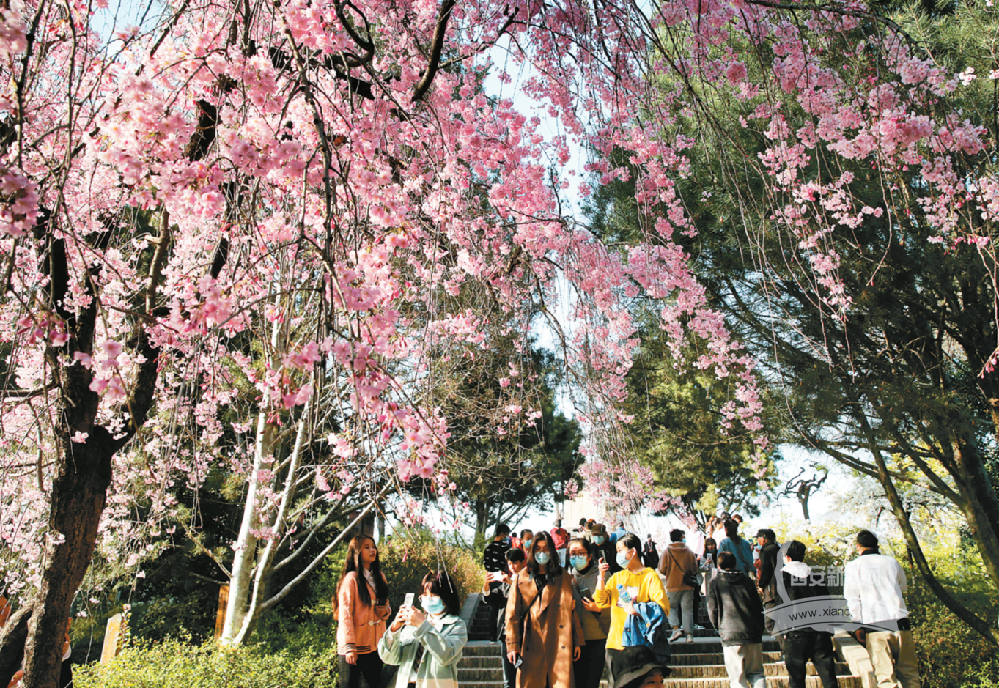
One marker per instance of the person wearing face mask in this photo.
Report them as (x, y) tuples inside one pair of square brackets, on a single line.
[(589, 668), (516, 560), (426, 645), (494, 561), (543, 631), (526, 538), (600, 538), (635, 583)]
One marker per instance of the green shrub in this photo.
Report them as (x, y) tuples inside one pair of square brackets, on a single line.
[(949, 651), (180, 665), (984, 676), (407, 559)]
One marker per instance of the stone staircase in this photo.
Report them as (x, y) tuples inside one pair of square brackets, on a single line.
[(700, 664), (478, 625), (481, 665), (695, 665)]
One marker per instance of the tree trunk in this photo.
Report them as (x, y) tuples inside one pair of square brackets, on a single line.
[(13, 637), (981, 507), (481, 516), (245, 549), (79, 494), (803, 500), (254, 596)]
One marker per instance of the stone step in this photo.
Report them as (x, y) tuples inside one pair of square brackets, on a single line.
[(480, 662), (482, 648), (712, 646), (479, 676), (772, 682), (699, 633), (718, 670), (694, 660)]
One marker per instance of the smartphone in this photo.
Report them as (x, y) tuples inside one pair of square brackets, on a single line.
[(408, 601), (584, 592)]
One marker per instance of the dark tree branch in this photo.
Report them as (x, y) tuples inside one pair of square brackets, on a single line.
[(141, 398), (837, 9), (13, 636), (436, 48), (204, 134), (363, 43)]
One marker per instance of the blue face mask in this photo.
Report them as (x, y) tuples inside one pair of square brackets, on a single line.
[(432, 605), (598, 539), (542, 558), (623, 559), (527, 544), (579, 562)]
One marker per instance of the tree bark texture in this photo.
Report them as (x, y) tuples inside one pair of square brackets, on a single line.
[(79, 494), (13, 636)]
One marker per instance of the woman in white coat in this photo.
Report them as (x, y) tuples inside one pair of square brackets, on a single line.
[(426, 645)]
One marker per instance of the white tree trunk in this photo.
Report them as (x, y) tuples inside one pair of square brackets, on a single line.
[(244, 556), (265, 563)]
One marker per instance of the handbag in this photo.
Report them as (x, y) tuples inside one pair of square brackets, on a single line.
[(689, 577)]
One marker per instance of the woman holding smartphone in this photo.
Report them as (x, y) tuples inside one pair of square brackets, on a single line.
[(362, 609), (583, 562), (426, 645), (543, 632)]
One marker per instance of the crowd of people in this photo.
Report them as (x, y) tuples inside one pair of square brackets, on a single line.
[(562, 604), (571, 608), (555, 624)]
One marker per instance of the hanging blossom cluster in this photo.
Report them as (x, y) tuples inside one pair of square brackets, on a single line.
[(623, 486), (298, 206)]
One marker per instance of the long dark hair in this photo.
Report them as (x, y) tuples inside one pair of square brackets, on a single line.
[(732, 530), (353, 563), (554, 566)]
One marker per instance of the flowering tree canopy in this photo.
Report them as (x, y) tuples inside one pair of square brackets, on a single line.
[(298, 192)]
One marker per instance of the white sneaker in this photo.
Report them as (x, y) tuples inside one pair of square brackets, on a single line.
[(690, 638), (676, 635)]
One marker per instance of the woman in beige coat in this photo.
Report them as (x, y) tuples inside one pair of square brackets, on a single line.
[(543, 631)]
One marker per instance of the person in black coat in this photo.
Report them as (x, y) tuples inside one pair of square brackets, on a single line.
[(650, 555), (515, 560), (494, 562), (606, 550), (769, 551), (736, 611), (802, 645)]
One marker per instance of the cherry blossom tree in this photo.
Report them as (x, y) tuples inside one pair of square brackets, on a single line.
[(838, 182), (290, 192)]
